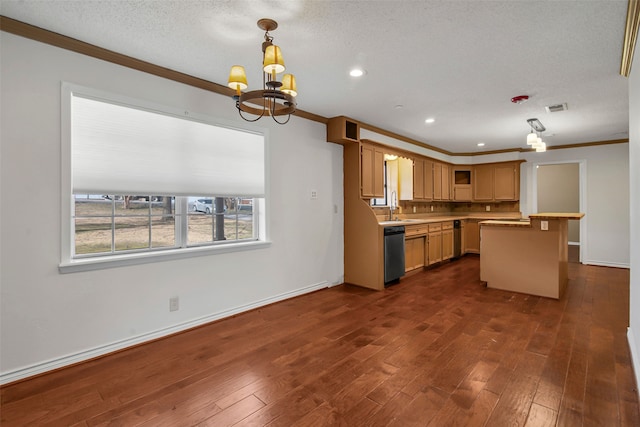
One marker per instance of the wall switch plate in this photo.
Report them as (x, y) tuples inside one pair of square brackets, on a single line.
[(174, 304), (431, 208), (314, 194), (544, 225), (414, 209), (488, 208)]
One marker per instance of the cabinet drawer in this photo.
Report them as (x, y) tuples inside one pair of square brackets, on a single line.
[(435, 227), (415, 230), (447, 225)]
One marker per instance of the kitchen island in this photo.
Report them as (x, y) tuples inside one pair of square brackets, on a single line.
[(527, 256)]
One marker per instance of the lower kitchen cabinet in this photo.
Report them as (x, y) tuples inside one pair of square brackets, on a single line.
[(447, 240), (435, 243), (472, 237), (414, 252)]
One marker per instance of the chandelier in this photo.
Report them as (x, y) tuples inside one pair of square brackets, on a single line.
[(275, 98)]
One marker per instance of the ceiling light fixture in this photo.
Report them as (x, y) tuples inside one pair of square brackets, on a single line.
[(356, 72), (534, 138), (480, 144), (275, 98), (430, 120)]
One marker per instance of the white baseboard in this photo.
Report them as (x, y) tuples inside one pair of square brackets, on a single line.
[(607, 264), (635, 358), (40, 368)]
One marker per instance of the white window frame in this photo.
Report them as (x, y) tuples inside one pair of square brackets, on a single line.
[(69, 264)]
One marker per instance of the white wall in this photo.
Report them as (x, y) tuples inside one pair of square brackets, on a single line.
[(50, 319), (634, 162)]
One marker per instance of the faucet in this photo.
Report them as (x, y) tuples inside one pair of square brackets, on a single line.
[(392, 204)]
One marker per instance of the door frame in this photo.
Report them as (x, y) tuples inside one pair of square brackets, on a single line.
[(582, 185)]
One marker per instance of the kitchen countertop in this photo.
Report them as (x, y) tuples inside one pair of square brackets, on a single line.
[(505, 216), (556, 215)]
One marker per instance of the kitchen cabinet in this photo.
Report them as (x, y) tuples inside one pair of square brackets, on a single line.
[(447, 240), (414, 255), (496, 182), (506, 182), (435, 243), (371, 171), (342, 130), (441, 181), (415, 246), (483, 183), (472, 236), (422, 179), (461, 187)]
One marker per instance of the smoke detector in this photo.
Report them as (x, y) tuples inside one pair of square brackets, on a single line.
[(556, 108)]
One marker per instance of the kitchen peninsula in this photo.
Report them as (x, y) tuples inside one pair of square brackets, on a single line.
[(529, 257)]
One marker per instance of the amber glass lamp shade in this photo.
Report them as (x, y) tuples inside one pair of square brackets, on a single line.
[(273, 61), (289, 85)]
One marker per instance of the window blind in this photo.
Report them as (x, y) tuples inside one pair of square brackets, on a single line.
[(118, 149)]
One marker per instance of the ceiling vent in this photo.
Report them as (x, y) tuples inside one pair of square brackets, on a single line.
[(556, 108)]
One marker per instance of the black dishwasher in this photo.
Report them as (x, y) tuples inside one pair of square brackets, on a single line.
[(393, 253)]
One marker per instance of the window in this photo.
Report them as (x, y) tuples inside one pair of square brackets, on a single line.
[(144, 181)]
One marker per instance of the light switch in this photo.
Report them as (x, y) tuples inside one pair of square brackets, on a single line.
[(544, 225), (488, 208)]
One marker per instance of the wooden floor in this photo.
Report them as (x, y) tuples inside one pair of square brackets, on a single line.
[(437, 349)]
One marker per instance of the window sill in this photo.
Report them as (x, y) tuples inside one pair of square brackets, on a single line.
[(113, 261)]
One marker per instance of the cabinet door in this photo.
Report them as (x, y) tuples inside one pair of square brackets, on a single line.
[(462, 193), (505, 186), (483, 182), (371, 171), (435, 247), (418, 179), (414, 253), (447, 244), (378, 173), (428, 180), (446, 182), (437, 181), (472, 237)]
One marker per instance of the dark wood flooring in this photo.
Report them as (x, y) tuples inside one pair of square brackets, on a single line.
[(437, 349)]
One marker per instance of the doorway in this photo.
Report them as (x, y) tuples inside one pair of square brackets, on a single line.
[(559, 188)]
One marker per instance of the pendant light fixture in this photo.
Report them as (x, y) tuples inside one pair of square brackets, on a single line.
[(275, 98), (534, 138)]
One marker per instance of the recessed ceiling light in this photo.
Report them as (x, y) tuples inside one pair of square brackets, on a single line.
[(480, 144), (430, 120), (356, 72), (398, 107)]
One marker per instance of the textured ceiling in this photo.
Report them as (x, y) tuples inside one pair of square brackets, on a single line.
[(459, 61)]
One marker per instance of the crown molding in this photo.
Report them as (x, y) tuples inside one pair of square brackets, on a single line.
[(630, 36)]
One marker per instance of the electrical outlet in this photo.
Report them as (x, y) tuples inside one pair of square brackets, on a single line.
[(431, 208), (314, 194), (174, 304), (544, 225), (488, 208), (414, 209)]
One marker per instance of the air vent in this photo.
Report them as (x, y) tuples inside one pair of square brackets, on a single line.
[(556, 108)]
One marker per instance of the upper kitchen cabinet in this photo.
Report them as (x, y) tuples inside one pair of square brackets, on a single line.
[(422, 179), (371, 171), (461, 187), (496, 182), (441, 181), (343, 130), (507, 182), (405, 178)]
